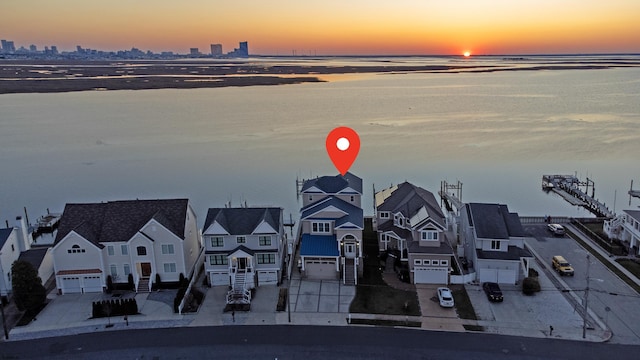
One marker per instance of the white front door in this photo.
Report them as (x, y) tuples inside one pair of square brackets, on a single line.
[(350, 250)]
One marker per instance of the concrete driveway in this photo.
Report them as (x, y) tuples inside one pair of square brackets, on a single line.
[(435, 317)]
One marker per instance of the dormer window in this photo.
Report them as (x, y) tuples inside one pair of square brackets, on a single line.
[(429, 235), (384, 215), (320, 227)]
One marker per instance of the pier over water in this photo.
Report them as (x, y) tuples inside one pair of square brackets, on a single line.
[(569, 187)]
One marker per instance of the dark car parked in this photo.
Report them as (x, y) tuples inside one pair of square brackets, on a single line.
[(493, 291)]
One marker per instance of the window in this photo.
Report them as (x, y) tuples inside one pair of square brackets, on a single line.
[(353, 198), (110, 250), (170, 267), (13, 248), (429, 235), (417, 261), (444, 262), (124, 249), (241, 239), (495, 245), (264, 240), (426, 262), (218, 260), (167, 249), (310, 198), (435, 262), (384, 215), (142, 251), (266, 258), (217, 241), (320, 227), (127, 270), (114, 271), (75, 249)]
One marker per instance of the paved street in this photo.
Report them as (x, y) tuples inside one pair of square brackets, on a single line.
[(607, 291)]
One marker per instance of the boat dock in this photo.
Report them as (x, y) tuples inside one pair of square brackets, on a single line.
[(569, 187), (452, 200)]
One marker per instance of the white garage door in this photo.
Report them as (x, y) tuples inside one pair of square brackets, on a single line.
[(267, 278), (92, 284), (321, 269), (221, 278), (488, 275), (430, 275), (71, 285), (506, 276)]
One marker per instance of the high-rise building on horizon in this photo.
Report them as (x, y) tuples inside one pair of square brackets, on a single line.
[(194, 52), (216, 49), (242, 51)]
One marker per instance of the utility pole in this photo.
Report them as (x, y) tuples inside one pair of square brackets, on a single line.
[(586, 302)]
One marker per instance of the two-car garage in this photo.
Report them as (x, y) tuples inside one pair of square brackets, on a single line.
[(430, 275), (78, 282), (500, 276)]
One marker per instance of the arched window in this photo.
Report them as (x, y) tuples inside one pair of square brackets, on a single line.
[(141, 250)]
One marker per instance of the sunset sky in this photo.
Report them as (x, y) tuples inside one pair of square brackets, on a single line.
[(329, 27)]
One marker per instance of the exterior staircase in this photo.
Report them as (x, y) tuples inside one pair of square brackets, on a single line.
[(239, 294), (349, 272), (143, 285)]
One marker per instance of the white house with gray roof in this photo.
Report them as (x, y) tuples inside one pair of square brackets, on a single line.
[(244, 248), (493, 239), (625, 227), (331, 224), (118, 238), (411, 227), (13, 241)]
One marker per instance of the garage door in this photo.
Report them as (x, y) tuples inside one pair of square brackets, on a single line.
[(506, 276), (430, 275), (92, 284), (221, 278), (267, 277), (488, 275), (71, 285), (321, 269)]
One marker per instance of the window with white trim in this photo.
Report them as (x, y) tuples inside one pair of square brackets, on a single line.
[(110, 250), (114, 270), (429, 235), (170, 267), (241, 239), (167, 249), (217, 241), (266, 258), (75, 249), (124, 249), (417, 261), (218, 260), (321, 227), (264, 240), (444, 262), (127, 269), (384, 214), (426, 262), (495, 244), (435, 262)]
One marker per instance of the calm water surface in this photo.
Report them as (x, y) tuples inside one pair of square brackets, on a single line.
[(496, 132)]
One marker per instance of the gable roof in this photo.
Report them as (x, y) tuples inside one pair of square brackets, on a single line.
[(120, 220), (408, 199), (354, 214), (4, 236), (243, 221), (34, 256), (494, 221), (334, 184)]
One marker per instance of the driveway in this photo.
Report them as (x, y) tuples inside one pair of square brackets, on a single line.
[(435, 317)]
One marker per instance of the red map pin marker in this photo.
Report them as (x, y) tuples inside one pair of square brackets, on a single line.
[(343, 145)]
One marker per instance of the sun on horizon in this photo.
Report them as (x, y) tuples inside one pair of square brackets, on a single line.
[(466, 54)]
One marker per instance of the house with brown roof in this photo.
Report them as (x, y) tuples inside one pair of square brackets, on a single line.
[(97, 241)]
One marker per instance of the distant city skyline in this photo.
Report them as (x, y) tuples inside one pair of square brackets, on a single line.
[(358, 27)]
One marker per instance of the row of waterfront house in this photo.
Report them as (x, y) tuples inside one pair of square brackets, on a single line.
[(141, 242)]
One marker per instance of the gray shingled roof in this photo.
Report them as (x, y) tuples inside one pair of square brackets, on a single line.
[(334, 184), (4, 235), (34, 256), (443, 249), (120, 220), (512, 253), (243, 221), (494, 221), (354, 215), (408, 199)]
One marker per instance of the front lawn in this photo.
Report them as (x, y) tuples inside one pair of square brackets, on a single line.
[(631, 265)]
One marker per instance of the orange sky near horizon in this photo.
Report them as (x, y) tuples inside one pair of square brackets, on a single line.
[(330, 27)]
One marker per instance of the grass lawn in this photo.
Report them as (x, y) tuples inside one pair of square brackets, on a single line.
[(373, 296), (632, 266), (386, 322), (463, 303)]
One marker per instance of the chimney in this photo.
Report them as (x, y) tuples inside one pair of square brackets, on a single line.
[(25, 236)]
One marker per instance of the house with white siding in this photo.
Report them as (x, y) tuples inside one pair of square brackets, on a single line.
[(493, 239), (13, 241), (331, 224), (244, 249), (625, 227), (411, 227), (98, 241)]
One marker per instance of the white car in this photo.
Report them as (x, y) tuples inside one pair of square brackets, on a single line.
[(445, 297), (556, 229)]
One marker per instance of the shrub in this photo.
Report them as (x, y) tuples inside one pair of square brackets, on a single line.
[(530, 285), (109, 284), (533, 272), (132, 286)]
